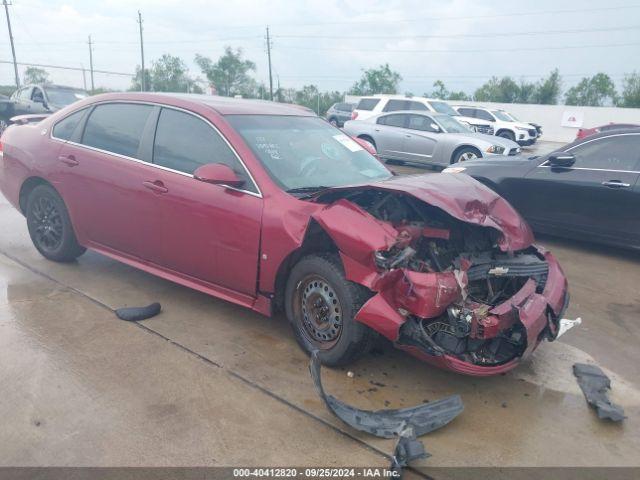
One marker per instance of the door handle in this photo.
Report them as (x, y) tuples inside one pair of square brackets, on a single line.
[(407, 136), (616, 184), (68, 160), (156, 186), (377, 129)]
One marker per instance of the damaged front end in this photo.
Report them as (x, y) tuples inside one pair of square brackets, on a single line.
[(456, 278)]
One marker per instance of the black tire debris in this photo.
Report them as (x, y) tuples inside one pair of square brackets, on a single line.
[(135, 314)]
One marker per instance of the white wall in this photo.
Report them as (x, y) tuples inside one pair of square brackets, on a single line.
[(550, 116)]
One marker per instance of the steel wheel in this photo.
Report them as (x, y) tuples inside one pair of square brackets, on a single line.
[(46, 222), (317, 304)]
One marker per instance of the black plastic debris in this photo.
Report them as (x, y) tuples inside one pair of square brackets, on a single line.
[(594, 384), (407, 449), (406, 424), (135, 314)]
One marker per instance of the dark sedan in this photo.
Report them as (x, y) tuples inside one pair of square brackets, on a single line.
[(586, 190)]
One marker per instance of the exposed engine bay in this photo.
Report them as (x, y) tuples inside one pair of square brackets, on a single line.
[(457, 291)]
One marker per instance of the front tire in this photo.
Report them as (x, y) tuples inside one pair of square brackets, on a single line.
[(50, 226), (464, 154), (321, 304), (507, 134)]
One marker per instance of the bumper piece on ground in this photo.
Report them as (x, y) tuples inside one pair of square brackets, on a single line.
[(406, 423), (594, 384)]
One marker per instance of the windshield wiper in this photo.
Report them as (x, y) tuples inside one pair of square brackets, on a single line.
[(309, 189)]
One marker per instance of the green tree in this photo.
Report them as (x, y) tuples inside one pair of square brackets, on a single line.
[(596, 91), (311, 97), (440, 91), (547, 91), (458, 96), (167, 74), (377, 80), (37, 76), (229, 75), (630, 96), (504, 90)]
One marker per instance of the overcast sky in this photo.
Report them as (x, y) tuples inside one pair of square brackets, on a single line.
[(329, 42)]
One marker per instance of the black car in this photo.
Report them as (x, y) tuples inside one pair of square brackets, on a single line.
[(587, 190), (339, 113)]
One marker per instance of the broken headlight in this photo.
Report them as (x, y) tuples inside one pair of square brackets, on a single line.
[(495, 149)]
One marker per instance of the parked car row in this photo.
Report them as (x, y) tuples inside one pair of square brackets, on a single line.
[(37, 100)]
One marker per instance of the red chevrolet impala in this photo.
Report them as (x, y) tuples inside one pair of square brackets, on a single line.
[(267, 206)]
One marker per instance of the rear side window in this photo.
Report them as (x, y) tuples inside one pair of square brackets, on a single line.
[(368, 103), (184, 142), (116, 127), (396, 120), (467, 112), (64, 128), (394, 105)]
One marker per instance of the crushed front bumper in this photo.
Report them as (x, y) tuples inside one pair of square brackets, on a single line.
[(430, 295)]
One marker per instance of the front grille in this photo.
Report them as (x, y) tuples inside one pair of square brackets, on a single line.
[(486, 129)]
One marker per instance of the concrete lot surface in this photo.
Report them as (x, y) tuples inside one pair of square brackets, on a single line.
[(209, 383)]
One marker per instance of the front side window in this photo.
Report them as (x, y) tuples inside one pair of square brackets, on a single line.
[(368, 103), (416, 106), (484, 115), (395, 105), (451, 125), (25, 93), (116, 127), (422, 123), (501, 116), (620, 152), (64, 128), (184, 142), (305, 152)]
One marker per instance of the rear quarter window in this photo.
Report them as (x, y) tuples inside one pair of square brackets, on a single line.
[(65, 128), (367, 103)]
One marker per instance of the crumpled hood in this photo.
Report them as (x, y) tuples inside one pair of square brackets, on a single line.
[(463, 198)]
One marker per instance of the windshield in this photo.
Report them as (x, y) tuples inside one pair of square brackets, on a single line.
[(65, 96), (501, 115), (443, 107), (306, 152), (511, 116), (451, 125)]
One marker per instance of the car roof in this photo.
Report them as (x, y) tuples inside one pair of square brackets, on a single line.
[(222, 105)]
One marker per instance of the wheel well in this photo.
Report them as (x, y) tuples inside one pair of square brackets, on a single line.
[(27, 187), (316, 240), (367, 138), (461, 147)]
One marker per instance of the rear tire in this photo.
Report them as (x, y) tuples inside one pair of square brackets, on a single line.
[(321, 304), (334, 122), (50, 226)]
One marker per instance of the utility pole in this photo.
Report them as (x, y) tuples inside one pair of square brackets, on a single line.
[(269, 58), (91, 63), (13, 49), (143, 83), (84, 76)]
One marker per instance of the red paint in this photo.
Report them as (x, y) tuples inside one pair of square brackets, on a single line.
[(232, 245)]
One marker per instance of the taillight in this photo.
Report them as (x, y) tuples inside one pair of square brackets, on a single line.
[(354, 115), (1, 149)]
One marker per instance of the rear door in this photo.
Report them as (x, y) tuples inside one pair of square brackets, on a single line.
[(390, 134), (595, 196), (106, 182), (209, 232), (420, 139)]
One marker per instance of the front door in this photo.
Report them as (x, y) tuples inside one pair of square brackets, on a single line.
[(595, 195), (420, 139), (209, 232)]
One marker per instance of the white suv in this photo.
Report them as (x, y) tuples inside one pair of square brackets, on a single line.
[(376, 104), (503, 125)]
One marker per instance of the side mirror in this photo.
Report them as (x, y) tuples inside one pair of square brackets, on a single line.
[(218, 174), (561, 159), (435, 127)]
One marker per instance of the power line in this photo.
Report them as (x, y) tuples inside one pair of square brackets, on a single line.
[(62, 67), (342, 38), (464, 50)]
